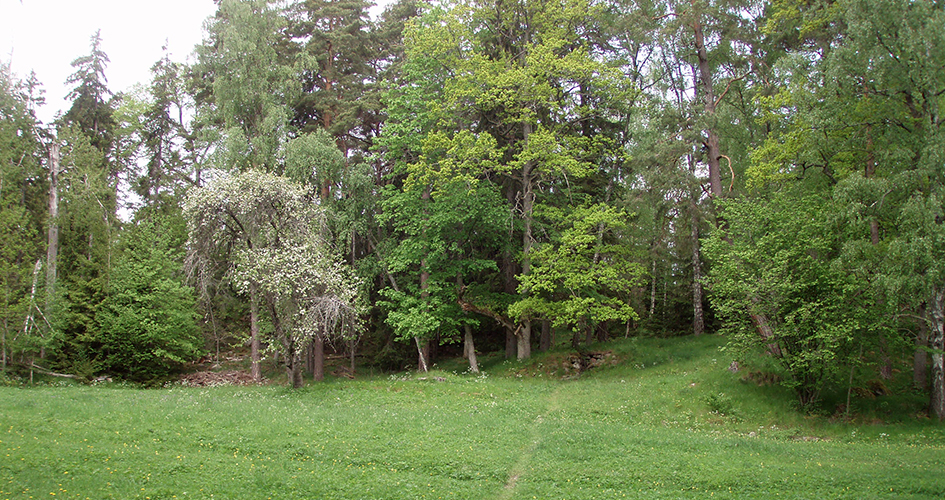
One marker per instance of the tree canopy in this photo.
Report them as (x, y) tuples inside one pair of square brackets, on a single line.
[(509, 175)]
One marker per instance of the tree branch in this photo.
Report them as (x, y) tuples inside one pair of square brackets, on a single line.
[(729, 86)]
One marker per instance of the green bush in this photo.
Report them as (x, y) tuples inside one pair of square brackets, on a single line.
[(148, 321), (720, 403)]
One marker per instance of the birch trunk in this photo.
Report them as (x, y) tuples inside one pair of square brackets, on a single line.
[(937, 344), (920, 360), (698, 316), (653, 290), (423, 350), (470, 349), (424, 367)]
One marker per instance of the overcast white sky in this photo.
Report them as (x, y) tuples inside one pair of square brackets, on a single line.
[(45, 36)]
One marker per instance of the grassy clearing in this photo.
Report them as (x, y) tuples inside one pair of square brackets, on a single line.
[(667, 422)]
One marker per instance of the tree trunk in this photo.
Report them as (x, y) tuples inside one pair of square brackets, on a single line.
[(698, 316), (885, 371), (713, 149), (254, 335), (511, 344), (310, 356), (470, 349), (29, 315), (544, 342), (294, 370), (713, 160), (293, 358), (653, 291), (353, 346), (765, 331), (937, 343), (920, 361), (318, 358), (524, 344), (603, 331), (422, 353), (52, 249)]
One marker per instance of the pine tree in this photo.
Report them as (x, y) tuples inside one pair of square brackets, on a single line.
[(336, 49), (91, 111)]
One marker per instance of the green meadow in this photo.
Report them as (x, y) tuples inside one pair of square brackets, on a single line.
[(663, 419)]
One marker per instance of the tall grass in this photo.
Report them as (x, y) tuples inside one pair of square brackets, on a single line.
[(669, 421)]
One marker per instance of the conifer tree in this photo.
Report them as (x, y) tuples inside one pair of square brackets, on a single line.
[(22, 216)]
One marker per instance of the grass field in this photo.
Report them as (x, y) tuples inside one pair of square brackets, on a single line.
[(668, 421)]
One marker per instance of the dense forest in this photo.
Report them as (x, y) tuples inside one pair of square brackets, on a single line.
[(490, 175)]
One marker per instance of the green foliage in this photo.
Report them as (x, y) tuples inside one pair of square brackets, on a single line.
[(157, 137), (91, 112), (447, 236), (22, 186), (252, 84), (312, 294), (721, 403), (780, 264), (578, 279), (148, 321), (857, 119), (312, 159), (88, 230), (264, 231), (335, 58)]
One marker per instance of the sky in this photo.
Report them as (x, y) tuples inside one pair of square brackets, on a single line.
[(45, 36)]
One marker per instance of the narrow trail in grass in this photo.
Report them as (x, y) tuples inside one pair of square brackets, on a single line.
[(535, 438)]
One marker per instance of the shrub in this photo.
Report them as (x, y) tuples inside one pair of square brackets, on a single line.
[(148, 324)]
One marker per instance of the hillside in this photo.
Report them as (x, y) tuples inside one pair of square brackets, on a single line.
[(660, 418)]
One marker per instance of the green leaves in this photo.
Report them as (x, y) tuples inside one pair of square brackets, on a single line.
[(781, 262), (313, 160), (581, 277), (452, 233), (252, 84), (148, 320)]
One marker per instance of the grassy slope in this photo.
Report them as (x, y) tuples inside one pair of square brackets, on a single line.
[(641, 429)]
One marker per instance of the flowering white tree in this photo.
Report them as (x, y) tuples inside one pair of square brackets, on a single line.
[(310, 297), (266, 234)]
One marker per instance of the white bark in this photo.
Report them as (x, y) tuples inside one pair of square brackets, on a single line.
[(937, 344), (52, 249), (423, 360), (470, 350)]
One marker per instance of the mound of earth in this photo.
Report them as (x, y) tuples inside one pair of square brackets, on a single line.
[(568, 365), (207, 379), (580, 362)]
